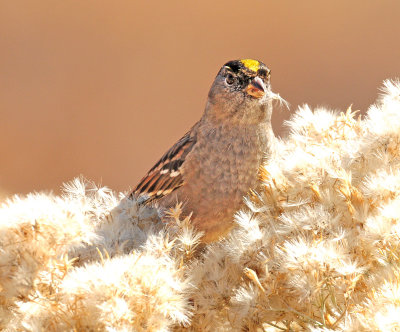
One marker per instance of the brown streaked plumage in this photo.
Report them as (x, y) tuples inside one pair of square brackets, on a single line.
[(165, 176), (215, 164)]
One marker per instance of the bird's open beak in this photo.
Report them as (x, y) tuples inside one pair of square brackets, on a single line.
[(256, 88)]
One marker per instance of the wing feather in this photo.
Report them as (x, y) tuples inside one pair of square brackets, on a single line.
[(166, 175)]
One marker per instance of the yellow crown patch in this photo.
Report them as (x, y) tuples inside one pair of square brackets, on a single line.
[(251, 64)]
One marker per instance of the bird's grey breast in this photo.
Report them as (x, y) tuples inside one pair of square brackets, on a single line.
[(223, 166)]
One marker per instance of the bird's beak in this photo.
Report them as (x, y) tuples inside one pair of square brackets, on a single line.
[(256, 88)]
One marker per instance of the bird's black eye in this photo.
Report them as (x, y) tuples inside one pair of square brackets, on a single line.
[(230, 79)]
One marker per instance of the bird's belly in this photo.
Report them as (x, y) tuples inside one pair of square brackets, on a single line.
[(215, 188)]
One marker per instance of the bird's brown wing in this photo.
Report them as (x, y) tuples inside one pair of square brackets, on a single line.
[(166, 175)]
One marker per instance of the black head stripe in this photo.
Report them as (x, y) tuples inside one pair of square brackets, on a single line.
[(235, 65)]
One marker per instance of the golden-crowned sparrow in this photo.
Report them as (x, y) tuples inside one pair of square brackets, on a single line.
[(215, 164)]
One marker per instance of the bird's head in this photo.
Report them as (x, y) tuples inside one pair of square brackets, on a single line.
[(240, 91)]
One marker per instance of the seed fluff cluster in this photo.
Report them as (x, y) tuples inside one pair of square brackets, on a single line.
[(316, 249)]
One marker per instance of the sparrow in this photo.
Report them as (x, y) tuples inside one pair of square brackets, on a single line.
[(215, 164)]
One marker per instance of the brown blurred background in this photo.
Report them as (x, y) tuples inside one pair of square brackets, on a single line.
[(103, 88)]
